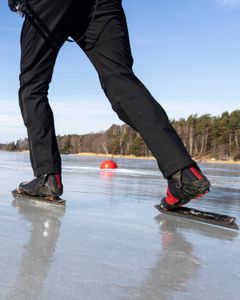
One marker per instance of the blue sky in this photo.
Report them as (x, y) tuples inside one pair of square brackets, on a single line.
[(187, 52)]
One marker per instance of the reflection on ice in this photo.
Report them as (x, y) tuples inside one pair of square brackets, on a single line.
[(130, 172), (38, 251), (111, 243)]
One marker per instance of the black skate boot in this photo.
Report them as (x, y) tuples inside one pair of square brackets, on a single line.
[(48, 186), (185, 185)]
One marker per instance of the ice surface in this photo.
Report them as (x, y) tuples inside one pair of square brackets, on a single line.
[(110, 242)]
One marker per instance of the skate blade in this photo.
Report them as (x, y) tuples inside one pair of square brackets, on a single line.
[(53, 200), (201, 216)]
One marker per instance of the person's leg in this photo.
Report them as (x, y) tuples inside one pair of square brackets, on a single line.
[(111, 56), (106, 43), (41, 38), (44, 31)]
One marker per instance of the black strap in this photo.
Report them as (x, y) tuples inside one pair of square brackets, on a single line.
[(40, 26)]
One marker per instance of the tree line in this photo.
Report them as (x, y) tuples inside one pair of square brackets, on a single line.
[(204, 136), (208, 136)]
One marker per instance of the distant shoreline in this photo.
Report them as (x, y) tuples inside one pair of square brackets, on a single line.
[(152, 158), (114, 156), (233, 162), (202, 160)]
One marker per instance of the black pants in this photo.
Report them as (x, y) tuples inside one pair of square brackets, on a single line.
[(100, 29)]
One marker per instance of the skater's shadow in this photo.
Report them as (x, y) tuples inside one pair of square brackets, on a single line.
[(39, 250)]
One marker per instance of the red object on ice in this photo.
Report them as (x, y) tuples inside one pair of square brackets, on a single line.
[(108, 164)]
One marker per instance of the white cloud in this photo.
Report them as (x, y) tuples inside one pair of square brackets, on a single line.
[(11, 125), (71, 116), (7, 28), (83, 116), (144, 41), (232, 4), (185, 108), (94, 113)]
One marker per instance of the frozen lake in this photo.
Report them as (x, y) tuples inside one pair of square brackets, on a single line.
[(111, 243)]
